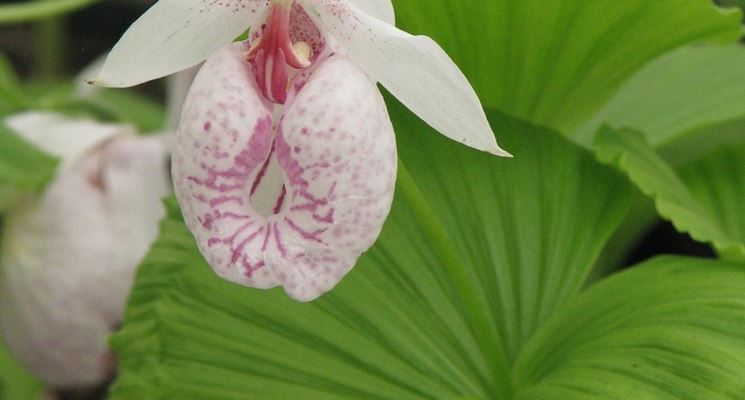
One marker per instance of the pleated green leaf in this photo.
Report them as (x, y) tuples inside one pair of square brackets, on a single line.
[(670, 329), (538, 220), (23, 167), (477, 253), (678, 97), (556, 62), (695, 215)]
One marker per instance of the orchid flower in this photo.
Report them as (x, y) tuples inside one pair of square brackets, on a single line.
[(69, 255), (285, 160)]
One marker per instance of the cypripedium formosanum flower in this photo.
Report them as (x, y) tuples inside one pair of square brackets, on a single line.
[(69, 255), (285, 160)]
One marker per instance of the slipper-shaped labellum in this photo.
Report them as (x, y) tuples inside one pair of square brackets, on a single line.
[(285, 159), (69, 255), (290, 198)]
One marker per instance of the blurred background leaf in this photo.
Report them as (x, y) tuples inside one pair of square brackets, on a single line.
[(11, 98), (145, 114), (24, 169), (105, 105), (109, 105), (50, 40), (15, 382), (731, 3), (25, 11)]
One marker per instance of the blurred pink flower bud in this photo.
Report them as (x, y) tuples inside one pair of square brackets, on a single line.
[(69, 256)]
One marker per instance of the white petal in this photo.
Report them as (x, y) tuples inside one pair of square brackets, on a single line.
[(62, 136), (380, 9), (414, 69), (336, 158), (67, 265), (174, 35)]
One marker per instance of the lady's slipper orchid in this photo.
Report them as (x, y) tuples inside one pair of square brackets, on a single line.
[(285, 159), (69, 256)]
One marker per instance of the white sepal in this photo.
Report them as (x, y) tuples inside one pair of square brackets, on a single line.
[(380, 9), (413, 68), (174, 35)]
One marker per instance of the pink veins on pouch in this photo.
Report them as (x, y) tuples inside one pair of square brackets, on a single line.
[(289, 194)]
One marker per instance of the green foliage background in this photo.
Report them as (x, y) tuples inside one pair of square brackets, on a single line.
[(489, 280)]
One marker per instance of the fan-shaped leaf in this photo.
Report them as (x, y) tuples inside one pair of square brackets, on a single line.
[(718, 180), (677, 96), (696, 216), (477, 252), (670, 329), (556, 62)]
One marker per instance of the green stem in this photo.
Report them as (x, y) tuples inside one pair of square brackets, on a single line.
[(37, 10), (49, 43), (485, 333)]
